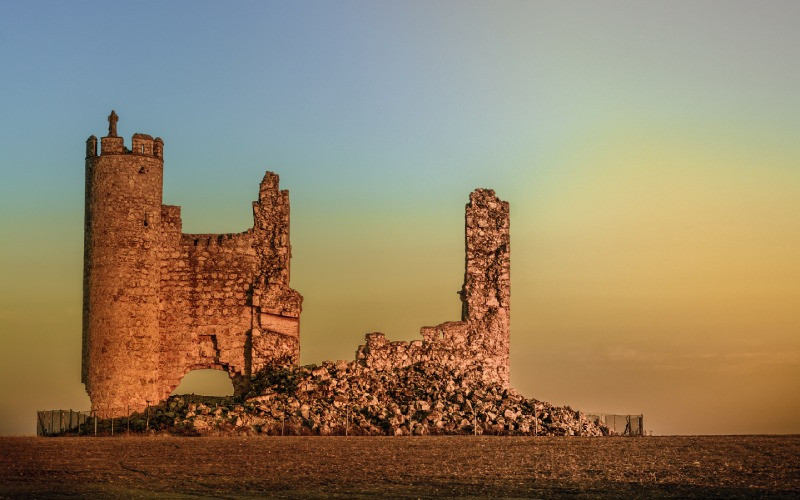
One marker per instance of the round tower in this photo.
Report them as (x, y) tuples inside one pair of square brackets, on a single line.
[(121, 341)]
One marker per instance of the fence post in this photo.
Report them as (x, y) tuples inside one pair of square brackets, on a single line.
[(94, 413), (112, 423), (40, 430), (283, 418), (147, 417), (128, 411), (347, 420)]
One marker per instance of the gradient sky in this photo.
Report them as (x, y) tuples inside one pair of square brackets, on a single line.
[(649, 151)]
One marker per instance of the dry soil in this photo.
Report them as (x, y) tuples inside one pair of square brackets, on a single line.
[(414, 467)]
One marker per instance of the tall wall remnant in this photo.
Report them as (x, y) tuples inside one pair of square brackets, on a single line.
[(159, 303), (478, 345)]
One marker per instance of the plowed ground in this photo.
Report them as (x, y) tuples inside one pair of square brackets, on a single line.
[(294, 467)]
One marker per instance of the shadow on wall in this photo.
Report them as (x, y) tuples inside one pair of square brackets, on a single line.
[(207, 382)]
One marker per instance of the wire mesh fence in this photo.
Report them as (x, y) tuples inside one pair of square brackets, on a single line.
[(623, 425), (60, 422), (120, 421), (108, 422)]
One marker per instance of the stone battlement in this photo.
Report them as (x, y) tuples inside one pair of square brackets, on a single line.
[(142, 145)]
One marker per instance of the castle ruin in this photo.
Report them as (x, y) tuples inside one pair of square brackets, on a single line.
[(159, 303)]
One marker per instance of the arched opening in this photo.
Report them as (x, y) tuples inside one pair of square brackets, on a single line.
[(206, 382)]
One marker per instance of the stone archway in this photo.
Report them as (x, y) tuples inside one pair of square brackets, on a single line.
[(206, 381)]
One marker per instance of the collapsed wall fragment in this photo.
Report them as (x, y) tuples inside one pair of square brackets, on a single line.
[(477, 347)]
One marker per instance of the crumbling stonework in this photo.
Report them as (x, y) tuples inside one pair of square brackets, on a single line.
[(348, 398), (159, 303), (477, 347)]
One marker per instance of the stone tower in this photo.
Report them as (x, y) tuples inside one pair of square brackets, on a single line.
[(122, 269), (159, 303)]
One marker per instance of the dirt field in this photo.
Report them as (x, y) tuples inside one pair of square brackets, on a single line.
[(233, 467)]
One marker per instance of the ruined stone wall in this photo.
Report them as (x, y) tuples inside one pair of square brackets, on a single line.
[(159, 303), (486, 296), (477, 347), (276, 306), (226, 301), (206, 315)]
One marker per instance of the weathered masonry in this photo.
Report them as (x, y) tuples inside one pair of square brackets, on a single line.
[(159, 303)]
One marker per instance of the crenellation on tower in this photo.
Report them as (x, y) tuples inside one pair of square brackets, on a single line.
[(158, 148), (91, 146), (142, 144), (112, 146)]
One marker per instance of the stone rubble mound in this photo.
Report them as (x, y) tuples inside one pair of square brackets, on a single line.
[(348, 398)]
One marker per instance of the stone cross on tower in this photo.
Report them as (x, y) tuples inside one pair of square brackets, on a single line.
[(112, 124)]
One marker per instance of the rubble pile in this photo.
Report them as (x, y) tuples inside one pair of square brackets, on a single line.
[(345, 398)]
